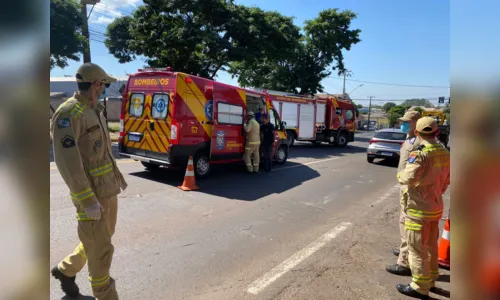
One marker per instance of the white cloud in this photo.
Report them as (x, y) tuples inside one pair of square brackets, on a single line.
[(103, 20), (107, 11)]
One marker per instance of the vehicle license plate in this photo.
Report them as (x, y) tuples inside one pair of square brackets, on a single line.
[(134, 138), (386, 153)]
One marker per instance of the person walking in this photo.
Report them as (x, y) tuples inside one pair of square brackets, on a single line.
[(267, 130), (427, 176), (408, 125), (84, 157)]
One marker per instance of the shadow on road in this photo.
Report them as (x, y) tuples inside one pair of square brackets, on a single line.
[(321, 151), (232, 181), (386, 163), (81, 297)]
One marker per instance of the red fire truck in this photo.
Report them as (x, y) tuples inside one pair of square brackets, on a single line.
[(317, 119), (167, 116)]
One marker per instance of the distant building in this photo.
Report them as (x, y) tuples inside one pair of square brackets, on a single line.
[(67, 86)]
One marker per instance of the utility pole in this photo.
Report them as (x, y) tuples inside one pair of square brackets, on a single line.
[(85, 27), (369, 112), (343, 91), (346, 73)]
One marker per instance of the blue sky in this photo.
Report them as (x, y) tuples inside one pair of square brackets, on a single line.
[(403, 42)]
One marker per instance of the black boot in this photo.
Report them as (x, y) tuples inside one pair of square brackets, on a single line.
[(68, 284), (407, 290), (398, 270), (395, 252)]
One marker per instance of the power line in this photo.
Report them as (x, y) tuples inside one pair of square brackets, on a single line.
[(393, 84)]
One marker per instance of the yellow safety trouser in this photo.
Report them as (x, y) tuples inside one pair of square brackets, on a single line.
[(422, 238), (403, 247), (252, 148), (96, 248)]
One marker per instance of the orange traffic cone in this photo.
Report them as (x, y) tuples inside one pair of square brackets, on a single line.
[(189, 183), (444, 246)]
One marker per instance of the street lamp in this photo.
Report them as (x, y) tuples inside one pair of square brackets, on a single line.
[(356, 88)]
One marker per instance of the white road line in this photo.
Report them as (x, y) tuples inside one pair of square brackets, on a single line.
[(261, 283), (306, 164), (386, 195)]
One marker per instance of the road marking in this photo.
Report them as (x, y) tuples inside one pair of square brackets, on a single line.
[(261, 283), (53, 167), (307, 164), (386, 195)]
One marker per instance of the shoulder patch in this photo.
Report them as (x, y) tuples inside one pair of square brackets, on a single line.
[(63, 123), (412, 157), (68, 141), (412, 140)]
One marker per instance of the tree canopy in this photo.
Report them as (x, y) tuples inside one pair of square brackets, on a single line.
[(417, 102), (387, 106), (261, 48), (66, 39)]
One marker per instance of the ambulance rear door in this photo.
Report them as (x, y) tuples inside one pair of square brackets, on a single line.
[(229, 109)]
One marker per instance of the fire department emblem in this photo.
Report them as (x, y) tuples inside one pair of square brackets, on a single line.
[(220, 140), (209, 109)]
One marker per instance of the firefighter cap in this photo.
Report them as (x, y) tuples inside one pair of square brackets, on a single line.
[(410, 115), (427, 125), (250, 114), (89, 72)]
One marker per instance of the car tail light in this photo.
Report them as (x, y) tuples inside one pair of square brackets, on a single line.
[(174, 133), (372, 141)]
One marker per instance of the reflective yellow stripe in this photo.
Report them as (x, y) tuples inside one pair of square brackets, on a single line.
[(102, 170), (78, 109), (83, 217), (421, 278), (247, 148), (425, 214), (99, 281), (254, 143), (82, 195), (413, 226)]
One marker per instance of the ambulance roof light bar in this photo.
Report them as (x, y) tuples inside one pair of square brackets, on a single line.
[(155, 69)]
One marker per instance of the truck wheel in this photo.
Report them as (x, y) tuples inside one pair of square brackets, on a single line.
[(202, 167), (150, 166), (291, 138), (281, 155), (370, 159), (342, 140)]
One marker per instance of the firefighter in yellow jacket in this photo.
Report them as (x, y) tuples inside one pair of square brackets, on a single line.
[(427, 176), (252, 128), (84, 157)]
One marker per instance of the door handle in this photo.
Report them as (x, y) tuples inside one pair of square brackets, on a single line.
[(152, 125)]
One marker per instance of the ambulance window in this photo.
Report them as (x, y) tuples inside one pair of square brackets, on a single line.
[(160, 106), (349, 114), (339, 111), (229, 114), (136, 105)]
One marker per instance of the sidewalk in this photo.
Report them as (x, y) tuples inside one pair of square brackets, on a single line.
[(354, 266)]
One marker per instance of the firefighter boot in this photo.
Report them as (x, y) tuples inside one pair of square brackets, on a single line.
[(407, 290), (68, 284), (398, 270)]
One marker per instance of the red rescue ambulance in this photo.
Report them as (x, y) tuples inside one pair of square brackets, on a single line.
[(167, 116), (317, 119)]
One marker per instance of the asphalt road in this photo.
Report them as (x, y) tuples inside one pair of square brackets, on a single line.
[(319, 227)]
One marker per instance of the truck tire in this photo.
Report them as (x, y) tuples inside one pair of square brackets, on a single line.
[(370, 159), (290, 135), (342, 140), (202, 167), (150, 166), (281, 154)]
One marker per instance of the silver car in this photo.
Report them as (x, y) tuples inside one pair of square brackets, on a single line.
[(385, 144)]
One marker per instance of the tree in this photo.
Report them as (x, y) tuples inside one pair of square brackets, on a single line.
[(66, 39), (387, 106), (316, 54), (360, 105), (417, 102), (419, 109), (199, 37), (395, 113)]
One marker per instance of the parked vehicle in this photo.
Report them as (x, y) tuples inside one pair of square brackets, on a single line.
[(315, 119), (167, 116), (386, 144)]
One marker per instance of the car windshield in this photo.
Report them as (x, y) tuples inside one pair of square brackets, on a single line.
[(396, 136)]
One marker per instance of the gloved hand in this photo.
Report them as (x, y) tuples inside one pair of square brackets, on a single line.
[(94, 211)]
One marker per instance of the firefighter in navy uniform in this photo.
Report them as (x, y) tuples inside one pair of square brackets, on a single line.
[(408, 125), (426, 176), (84, 157), (267, 131)]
